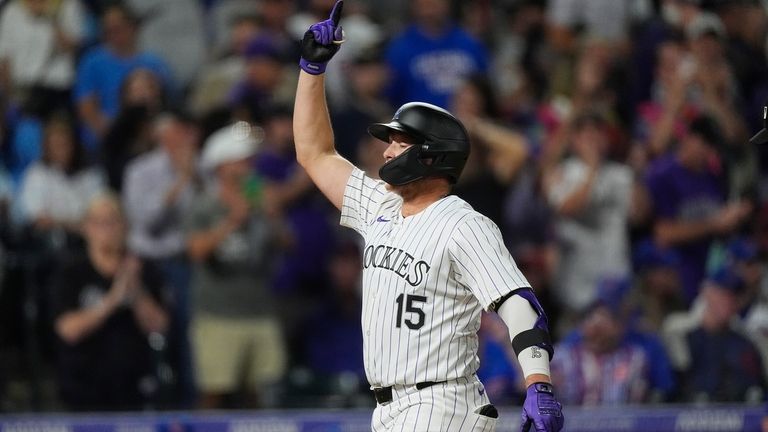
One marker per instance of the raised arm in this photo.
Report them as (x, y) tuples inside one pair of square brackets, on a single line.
[(311, 122), (314, 139)]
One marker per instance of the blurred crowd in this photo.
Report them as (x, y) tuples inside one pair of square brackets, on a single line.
[(161, 248)]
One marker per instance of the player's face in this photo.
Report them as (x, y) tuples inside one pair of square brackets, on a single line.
[(398, 143)]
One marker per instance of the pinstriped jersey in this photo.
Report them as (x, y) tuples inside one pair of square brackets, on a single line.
[(426, 279)]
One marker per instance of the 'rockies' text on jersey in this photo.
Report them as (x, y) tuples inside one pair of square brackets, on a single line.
[(426, 279)]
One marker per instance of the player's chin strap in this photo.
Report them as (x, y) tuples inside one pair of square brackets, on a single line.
[(535, 335)]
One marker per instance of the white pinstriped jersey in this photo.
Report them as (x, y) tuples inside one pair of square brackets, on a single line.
[(426, 279)]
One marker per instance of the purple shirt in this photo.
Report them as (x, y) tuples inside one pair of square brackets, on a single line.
[(308, 219), (682, 195)]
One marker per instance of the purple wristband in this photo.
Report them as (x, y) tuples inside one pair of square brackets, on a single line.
[(312, 68)]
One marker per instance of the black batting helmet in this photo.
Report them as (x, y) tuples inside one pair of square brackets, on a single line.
[(441, 147)]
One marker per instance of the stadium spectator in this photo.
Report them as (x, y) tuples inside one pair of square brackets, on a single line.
[(165, 26), (603, 362), (688, 195), (661, 118), (577, 28), (335, 327), (275, 16), (366, 77), (712, 75), (592, 197), (647, 37), (221, 15), (679, 14), (692, 77), (740, 252), (718, 96), (430, 58), (39, 40), (744, 23), (300, 280), (571, 20), (261, 85), (521, 53), (716, 359), (129, 136), (158, 190), (159, 187), (232, 239), (527, 213), (658, 291), (209, 92), (498, 153), (107, 303), (56, 190), (103, 69), (272, 16), (296, 200)]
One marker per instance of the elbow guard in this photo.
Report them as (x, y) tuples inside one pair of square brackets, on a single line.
[(537, 336)]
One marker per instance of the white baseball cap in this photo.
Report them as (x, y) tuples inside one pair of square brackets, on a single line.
[(231, 143), (706, 23)]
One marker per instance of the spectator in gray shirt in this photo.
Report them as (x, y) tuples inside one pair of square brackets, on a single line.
[(232, 237)]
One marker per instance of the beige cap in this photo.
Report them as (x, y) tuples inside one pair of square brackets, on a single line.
[(231, 143)]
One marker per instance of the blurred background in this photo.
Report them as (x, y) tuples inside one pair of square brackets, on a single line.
[(150, 260)]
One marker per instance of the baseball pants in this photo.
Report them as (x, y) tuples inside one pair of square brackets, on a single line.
[(448, 406)]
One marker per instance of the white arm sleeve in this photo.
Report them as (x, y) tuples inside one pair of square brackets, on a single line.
[(519, 316)]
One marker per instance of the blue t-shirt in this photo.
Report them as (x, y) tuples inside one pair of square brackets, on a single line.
[(683, 195), (429, 69), (102, 73)]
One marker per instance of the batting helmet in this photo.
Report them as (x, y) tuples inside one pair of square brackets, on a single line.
[(441, 147)]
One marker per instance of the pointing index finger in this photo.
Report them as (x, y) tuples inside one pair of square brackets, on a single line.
[(336, 12)]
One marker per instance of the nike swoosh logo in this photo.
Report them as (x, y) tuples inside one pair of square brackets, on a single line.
[(381, 219)]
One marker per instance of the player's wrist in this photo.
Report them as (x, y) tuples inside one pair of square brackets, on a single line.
[(537, 378), (311, 67)]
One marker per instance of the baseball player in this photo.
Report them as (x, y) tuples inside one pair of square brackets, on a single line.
[(431, 264)]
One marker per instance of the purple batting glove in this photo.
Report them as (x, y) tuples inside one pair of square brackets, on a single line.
[(541, 409), (321, 42)]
